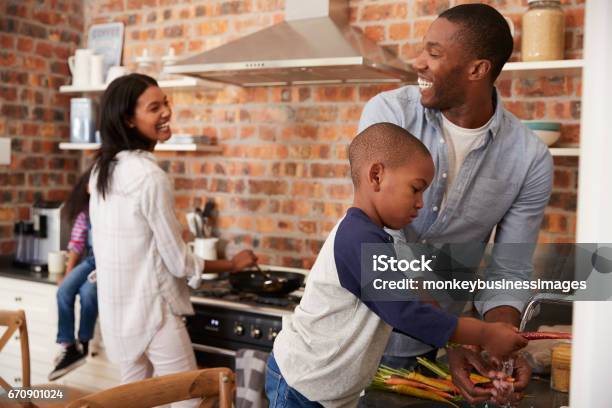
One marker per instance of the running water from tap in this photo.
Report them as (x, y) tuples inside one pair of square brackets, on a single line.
[(506, 388)]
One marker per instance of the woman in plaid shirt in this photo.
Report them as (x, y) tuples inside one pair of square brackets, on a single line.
[(75, 282), (143, 264)]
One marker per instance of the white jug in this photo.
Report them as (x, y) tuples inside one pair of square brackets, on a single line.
[(80, 65), (205, 248)]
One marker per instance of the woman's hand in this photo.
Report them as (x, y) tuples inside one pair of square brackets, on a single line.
[(243, 259)]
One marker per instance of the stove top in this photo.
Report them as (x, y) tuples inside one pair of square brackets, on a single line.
[(221, 289)]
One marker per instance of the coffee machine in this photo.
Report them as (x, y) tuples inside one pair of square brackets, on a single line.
[(48, 231)]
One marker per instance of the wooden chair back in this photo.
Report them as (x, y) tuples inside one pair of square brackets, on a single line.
[(15, 321), (205, 384)]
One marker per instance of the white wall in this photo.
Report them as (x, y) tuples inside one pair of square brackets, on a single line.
[(592, 324)]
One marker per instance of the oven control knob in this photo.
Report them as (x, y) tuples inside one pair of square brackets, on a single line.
[(255, 333), (272, 334), (239, 329)]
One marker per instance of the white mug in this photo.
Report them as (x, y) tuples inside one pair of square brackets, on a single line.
[(96, 74), (56, 262), (79, 65), (205, 248), (115, 72)]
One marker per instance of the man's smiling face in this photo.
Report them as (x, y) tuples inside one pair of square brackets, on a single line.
[(442, 66)]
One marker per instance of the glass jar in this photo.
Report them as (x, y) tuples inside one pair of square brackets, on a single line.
[(145, 64), (169, 60), (543, 36)]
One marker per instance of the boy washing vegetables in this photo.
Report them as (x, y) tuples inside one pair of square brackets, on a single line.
[(329, 349)]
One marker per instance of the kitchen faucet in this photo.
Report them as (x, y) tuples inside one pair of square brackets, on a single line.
[(530, 309)]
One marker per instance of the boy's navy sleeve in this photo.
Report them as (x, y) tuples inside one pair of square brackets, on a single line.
[(420, 320)]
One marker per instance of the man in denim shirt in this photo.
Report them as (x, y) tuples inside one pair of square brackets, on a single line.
[(491, 171)]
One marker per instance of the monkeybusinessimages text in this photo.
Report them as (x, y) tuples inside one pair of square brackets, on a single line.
[(422, 265)]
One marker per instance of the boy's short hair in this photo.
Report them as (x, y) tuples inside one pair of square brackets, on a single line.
[(385, 143)]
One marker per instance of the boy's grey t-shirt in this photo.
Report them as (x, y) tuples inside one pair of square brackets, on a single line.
[(329, 349)]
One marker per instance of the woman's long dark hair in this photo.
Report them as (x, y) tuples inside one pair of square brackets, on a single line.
[(118, 105), (78, 200)]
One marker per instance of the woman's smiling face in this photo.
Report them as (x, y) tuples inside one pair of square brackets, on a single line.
[(152, 115)]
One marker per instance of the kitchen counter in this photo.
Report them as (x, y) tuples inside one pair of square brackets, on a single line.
[(8, 270), (537, 395)]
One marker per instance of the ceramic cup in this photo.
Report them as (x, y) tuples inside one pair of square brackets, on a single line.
[(205, 248), (97, 69), (115, 72), (56, 262)]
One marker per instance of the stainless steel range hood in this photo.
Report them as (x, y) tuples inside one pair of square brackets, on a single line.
[(314, 45)]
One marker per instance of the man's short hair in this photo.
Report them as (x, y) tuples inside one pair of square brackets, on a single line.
[(485, 33), (384, 143)]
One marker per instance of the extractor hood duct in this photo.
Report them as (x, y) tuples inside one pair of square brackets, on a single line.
[(314, 45)]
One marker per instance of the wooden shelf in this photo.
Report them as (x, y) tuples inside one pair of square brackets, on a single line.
[(565, 151), (542, 68), (182, 147), (186, 82), (537, 69)]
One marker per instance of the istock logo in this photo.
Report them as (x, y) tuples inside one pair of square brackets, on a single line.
[(383, 263)]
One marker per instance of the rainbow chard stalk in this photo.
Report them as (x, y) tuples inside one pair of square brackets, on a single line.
[(546, 336), (416, 385), (443, 371)]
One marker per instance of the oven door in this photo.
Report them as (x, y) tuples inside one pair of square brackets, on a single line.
[(217, 333), (209, 356)]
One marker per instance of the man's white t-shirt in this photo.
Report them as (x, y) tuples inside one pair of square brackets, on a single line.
[(460, 142)]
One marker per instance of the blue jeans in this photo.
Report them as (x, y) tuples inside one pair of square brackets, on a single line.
[(280, 394), (76, 283)]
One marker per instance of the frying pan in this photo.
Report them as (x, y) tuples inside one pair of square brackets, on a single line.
[(256, 282)]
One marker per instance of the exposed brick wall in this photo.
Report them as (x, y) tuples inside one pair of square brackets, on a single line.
[(36, 38), (282, 181)]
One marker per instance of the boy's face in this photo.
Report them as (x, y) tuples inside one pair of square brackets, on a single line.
[(401, 192)]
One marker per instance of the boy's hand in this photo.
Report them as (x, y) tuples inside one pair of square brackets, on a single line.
[(501, 339), (243, 259)]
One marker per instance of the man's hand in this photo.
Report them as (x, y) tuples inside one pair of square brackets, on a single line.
[(462, 361), (504, 314), (521, 375), (243, 259)]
